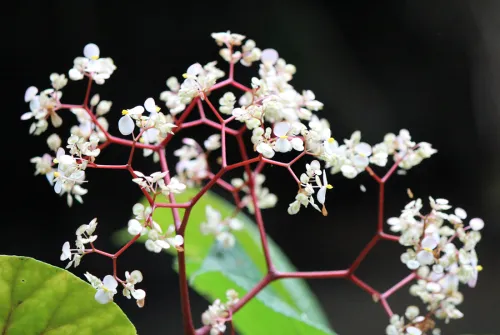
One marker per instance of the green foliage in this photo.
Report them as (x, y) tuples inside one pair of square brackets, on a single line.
[(284, 307), (38, 298)]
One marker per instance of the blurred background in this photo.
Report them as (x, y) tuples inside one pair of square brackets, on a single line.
[(432, 67)]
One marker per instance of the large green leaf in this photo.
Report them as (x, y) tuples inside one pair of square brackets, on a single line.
[(287, 305), (37, 298)]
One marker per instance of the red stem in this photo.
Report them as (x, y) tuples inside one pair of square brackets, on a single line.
[(364, 285), (313, 274), (184, 290), (362, 255), (400, 284)]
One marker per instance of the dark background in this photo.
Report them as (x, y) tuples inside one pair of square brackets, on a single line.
[(378, 66)]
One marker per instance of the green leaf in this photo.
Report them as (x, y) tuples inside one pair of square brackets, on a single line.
[(37, 298), (269, 313), (288, 305)]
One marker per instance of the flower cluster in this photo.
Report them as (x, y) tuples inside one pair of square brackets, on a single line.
[(440, 262), (197, 82), (143, 224), (84, 236), (306, 189), (192, 167), (155, 126), (219, 313), (354, 156), (264, 198), (417, 324), (106, 289), (99, 69), (220, 228), (155, 183), (280, 122)]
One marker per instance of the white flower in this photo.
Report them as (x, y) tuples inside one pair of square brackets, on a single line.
[(135, 227), (54, 142), (129, 287), (106, 292), (321, 195), (58, 81), (99, 69), (198, 80), (227, 38), (227, 103), (95, 100), (212, 142), (105, 289), (221, 229), (172, 98), (175, 186), (103, 107), (265, 149), (349, 171)]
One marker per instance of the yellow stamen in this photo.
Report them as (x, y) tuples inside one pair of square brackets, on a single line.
[(479, 268), (94, 57), (56, 174), (157, 108), (142, 140), (331, 140), (56, 161), (124, 112), (184, 75), (284, 137), (428, 249), (329, 186)]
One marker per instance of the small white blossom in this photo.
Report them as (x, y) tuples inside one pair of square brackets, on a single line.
[(129, 289), (222, 229), (105, 289), (212, 142)]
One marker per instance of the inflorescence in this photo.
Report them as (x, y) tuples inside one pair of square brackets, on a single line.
[(276, 118)]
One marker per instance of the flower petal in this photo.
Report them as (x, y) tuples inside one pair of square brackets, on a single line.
[(429, 242), (91, 51), (281, 128), (178, 240), (139, 294), (26, 116), (30, 93), (150, 105), (297, 144), (321, 196), (413, 264), (102, 297), (476, 224), (269, 56), (282, 145), (134, 227), (194, 69), (110, 282), (363, 149), (126, 125), (425, 257), (413, 331), (461, 213)]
